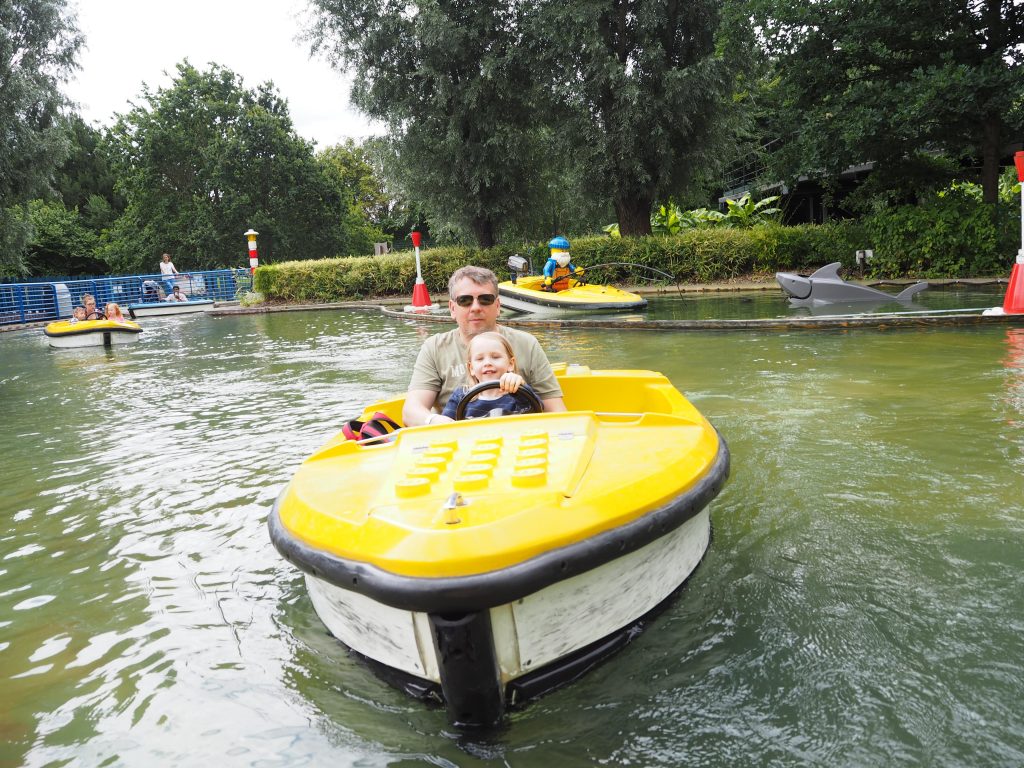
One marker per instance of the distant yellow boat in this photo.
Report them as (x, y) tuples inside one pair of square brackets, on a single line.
[(482, 563), (526, 294), (91, 333)]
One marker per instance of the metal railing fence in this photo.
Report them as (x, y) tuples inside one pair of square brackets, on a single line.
[(38, 301)]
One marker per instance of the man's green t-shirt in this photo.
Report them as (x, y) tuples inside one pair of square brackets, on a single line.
[(441, 365)]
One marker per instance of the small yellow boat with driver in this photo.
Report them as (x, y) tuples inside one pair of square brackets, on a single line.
[(91, 333), (527, 294), (484, 562)]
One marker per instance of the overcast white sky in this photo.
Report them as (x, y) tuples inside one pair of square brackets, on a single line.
[(131, 42)]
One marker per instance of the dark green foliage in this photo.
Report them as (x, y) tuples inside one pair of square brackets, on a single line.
[(61, 244), (447, 79), (86, 173), (504, 118), (955, 237), (642, 94), (362, 192), (858, 81), (950, 236), (205, 160), (69, 225), (38, 46)]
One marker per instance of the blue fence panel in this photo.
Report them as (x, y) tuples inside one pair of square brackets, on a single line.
[(38, 301)]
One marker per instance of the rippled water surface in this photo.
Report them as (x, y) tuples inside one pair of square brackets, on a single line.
[(862, 601)]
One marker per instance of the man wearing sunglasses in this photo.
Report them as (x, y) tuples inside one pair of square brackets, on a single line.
[(441, 364)]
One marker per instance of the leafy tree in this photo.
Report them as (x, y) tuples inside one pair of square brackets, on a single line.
[(38, 45), (644, 95), (361, 189), (61, 242), (398, 216), (449, 80), (865, 80), (86, 173), (202, 161), (69, 224)]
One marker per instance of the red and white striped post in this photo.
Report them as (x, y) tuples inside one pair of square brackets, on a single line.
[(420, 296), (254, 259), (1013, 303)]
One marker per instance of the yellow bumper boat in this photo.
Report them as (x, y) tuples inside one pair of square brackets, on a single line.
[(91, 333), (527, 294), (482, 563)]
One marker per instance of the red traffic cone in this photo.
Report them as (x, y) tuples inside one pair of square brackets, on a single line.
[(420, 297), (1013, 303)]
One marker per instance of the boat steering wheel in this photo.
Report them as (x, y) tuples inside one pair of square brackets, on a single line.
[(525, 396)]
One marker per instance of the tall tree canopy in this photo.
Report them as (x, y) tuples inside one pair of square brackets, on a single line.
[(448, 79), (876, 80), (643, 94), (206, 159), (38, 45), (494, 109)]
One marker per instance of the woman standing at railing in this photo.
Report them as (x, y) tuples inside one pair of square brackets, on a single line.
[(168, 270)]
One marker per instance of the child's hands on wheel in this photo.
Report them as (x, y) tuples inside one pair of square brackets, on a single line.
[(511, 382)]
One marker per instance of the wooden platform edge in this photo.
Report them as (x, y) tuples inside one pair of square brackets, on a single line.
[(878, 322)]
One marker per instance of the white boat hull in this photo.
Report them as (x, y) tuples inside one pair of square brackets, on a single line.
[(511, 302), (532, 632), (520, 305), (525, 296), (93, 339), (169, 308)]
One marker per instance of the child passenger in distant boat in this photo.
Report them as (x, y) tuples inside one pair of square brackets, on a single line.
[(490, 358), (113, 312)]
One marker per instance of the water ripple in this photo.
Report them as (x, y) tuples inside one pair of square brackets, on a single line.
[(860, 602)]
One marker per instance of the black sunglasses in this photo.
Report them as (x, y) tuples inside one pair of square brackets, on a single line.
[(466, 300)]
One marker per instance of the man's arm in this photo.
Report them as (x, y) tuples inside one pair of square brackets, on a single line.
[(554, 405), (417, 408)]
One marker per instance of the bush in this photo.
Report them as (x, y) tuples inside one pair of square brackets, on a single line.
[(953, 235), (695, 256)]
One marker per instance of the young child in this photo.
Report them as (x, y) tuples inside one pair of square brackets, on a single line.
[(113, 312), (77, 315), (490, 358)]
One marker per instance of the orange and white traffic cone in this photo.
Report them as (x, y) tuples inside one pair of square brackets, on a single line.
[(1013, 302), (420, 296)]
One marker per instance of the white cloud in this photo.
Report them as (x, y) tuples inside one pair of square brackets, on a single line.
[(131, 42)]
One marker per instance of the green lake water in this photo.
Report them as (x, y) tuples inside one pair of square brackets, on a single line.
[(861, 603)]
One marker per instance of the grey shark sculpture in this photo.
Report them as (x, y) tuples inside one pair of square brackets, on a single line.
[(826, 287)]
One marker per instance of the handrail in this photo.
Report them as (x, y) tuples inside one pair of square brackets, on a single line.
[(40, 301)]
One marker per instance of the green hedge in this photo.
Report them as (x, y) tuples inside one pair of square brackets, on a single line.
[(694, 256), (951, 236), (908, 242)]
